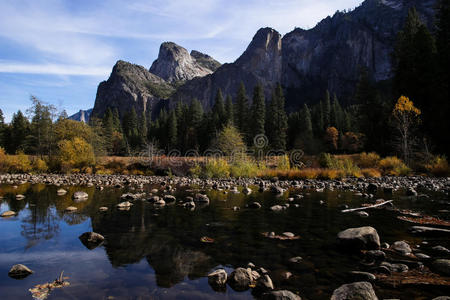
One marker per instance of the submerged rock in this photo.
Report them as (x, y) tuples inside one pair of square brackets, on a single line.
[(91, 239), (442, 266), (71, 209), (263, 284), (19, 271), (355, 291), (61, 192), (360, 238)]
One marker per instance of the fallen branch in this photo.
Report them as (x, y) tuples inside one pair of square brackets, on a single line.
[(367, 207)]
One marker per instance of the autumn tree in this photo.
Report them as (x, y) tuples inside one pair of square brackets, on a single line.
[(332, 137), (230, 141), (75, 153), (406, 117)]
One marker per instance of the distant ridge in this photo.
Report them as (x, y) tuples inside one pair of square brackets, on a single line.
[(82, 116)]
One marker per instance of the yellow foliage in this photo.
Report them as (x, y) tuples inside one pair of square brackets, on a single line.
[(370, 172), (438, 166), (39, 165), (368, 160), (217, 168), (19, 163), (405, 105), (394, 166), (2, 160), (76, 153)]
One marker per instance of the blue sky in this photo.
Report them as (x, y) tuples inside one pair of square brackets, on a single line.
[(59, 50)]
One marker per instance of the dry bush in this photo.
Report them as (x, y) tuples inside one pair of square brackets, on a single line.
[(368, 160), (393, 165), (438, 166), (371, 172)]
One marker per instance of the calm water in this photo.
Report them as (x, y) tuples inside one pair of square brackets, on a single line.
[(157, 254)]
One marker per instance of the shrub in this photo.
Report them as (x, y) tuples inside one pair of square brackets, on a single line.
[(370, 172), (2, 160), (245, 168), (39, 165), (346, 165), (75, 153), (19, 163), (196, 170), (368, 160), (283, 163), (438, 166), (394, 166), (216, 168)]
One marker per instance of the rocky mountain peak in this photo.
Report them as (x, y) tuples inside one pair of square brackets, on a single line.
[(174, 63), (263, 55), (205, 60)]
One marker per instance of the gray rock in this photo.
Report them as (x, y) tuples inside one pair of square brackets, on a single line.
[(71, 209), (169, 199), (218, 278), (422, 256), (295, 260), (360, 238), (61, 192), (264, 284), (240, 279), (247, 191), (441, 250), (103, 208), (19, 271), (424, 230), (401, 247), (91, 239), (442, 298), (442, 266), (362, 276), (362, 214), (355, 291), (254, 205), (8, 213), (124, 205), (276, 190), (280, 295), (201, 198), (20, 197), (277, 208)]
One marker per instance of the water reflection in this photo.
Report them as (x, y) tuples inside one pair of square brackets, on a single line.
[(168, 239)]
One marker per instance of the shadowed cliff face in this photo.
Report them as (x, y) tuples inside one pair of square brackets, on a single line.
[(130, 86), (305, 62), (174, 63)]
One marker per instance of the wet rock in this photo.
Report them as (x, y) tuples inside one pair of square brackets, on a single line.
[(411, 192), (424, 230), (295, 260), (422, 256), (362, 276), (359, 238), (372, 188), (355, 291), (124, 205), (280, 295), (80, 196), (376, 255), (61, 192), (218, 278), (169, 199), (19, 271), (240, 279), (20, 197), (247, 191), (254, 205), (442, 298), (8, 213), (276, 190), (263, 284), (288, 234), (442, 266), (91, 240), (441, 250), (395, 267), (71, 209), (277, 208), (401, 247), (201, 198), (103, 208)]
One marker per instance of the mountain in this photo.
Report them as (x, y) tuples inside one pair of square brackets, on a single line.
[(174, 63), (305, 62), (128, 86), (81, 116)]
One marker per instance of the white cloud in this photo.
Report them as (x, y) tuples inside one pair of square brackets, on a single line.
[(54, 69)]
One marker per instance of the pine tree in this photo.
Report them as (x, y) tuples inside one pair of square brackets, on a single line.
[(41, 140), (2, 130), (229, 111), (218, 111), (277, 120), (19, 130), (172, 130), (258, 111), (108, 128), (142, 128), (327, 110), (116, 120), (194, 124), (241, 110)]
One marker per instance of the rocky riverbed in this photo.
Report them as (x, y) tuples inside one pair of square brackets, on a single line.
[(311, 239)]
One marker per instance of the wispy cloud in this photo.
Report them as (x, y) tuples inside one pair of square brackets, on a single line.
[(54, 69)]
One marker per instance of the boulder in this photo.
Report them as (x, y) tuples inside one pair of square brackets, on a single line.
[(280, 295), (263, 284), (359, 238), (276, 190), (247, 191), (91, 239), (240, 279), (19, 271), (401, 247), (362, 276), (441, 266), (61, 192), (355, 291), (218, 278), (201, 198), (169, 199)]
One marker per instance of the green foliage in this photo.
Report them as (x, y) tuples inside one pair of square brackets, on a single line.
[(245, 167), (277, 122), (160, 90), (216, 168), (258, 112), (242, 110), (345, 165), (229, 141), (394, 166)]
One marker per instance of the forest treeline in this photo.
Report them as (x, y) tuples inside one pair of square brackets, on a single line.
[(420, 74)]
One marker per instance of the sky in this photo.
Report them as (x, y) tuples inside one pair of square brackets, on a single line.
[(60, 50)]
